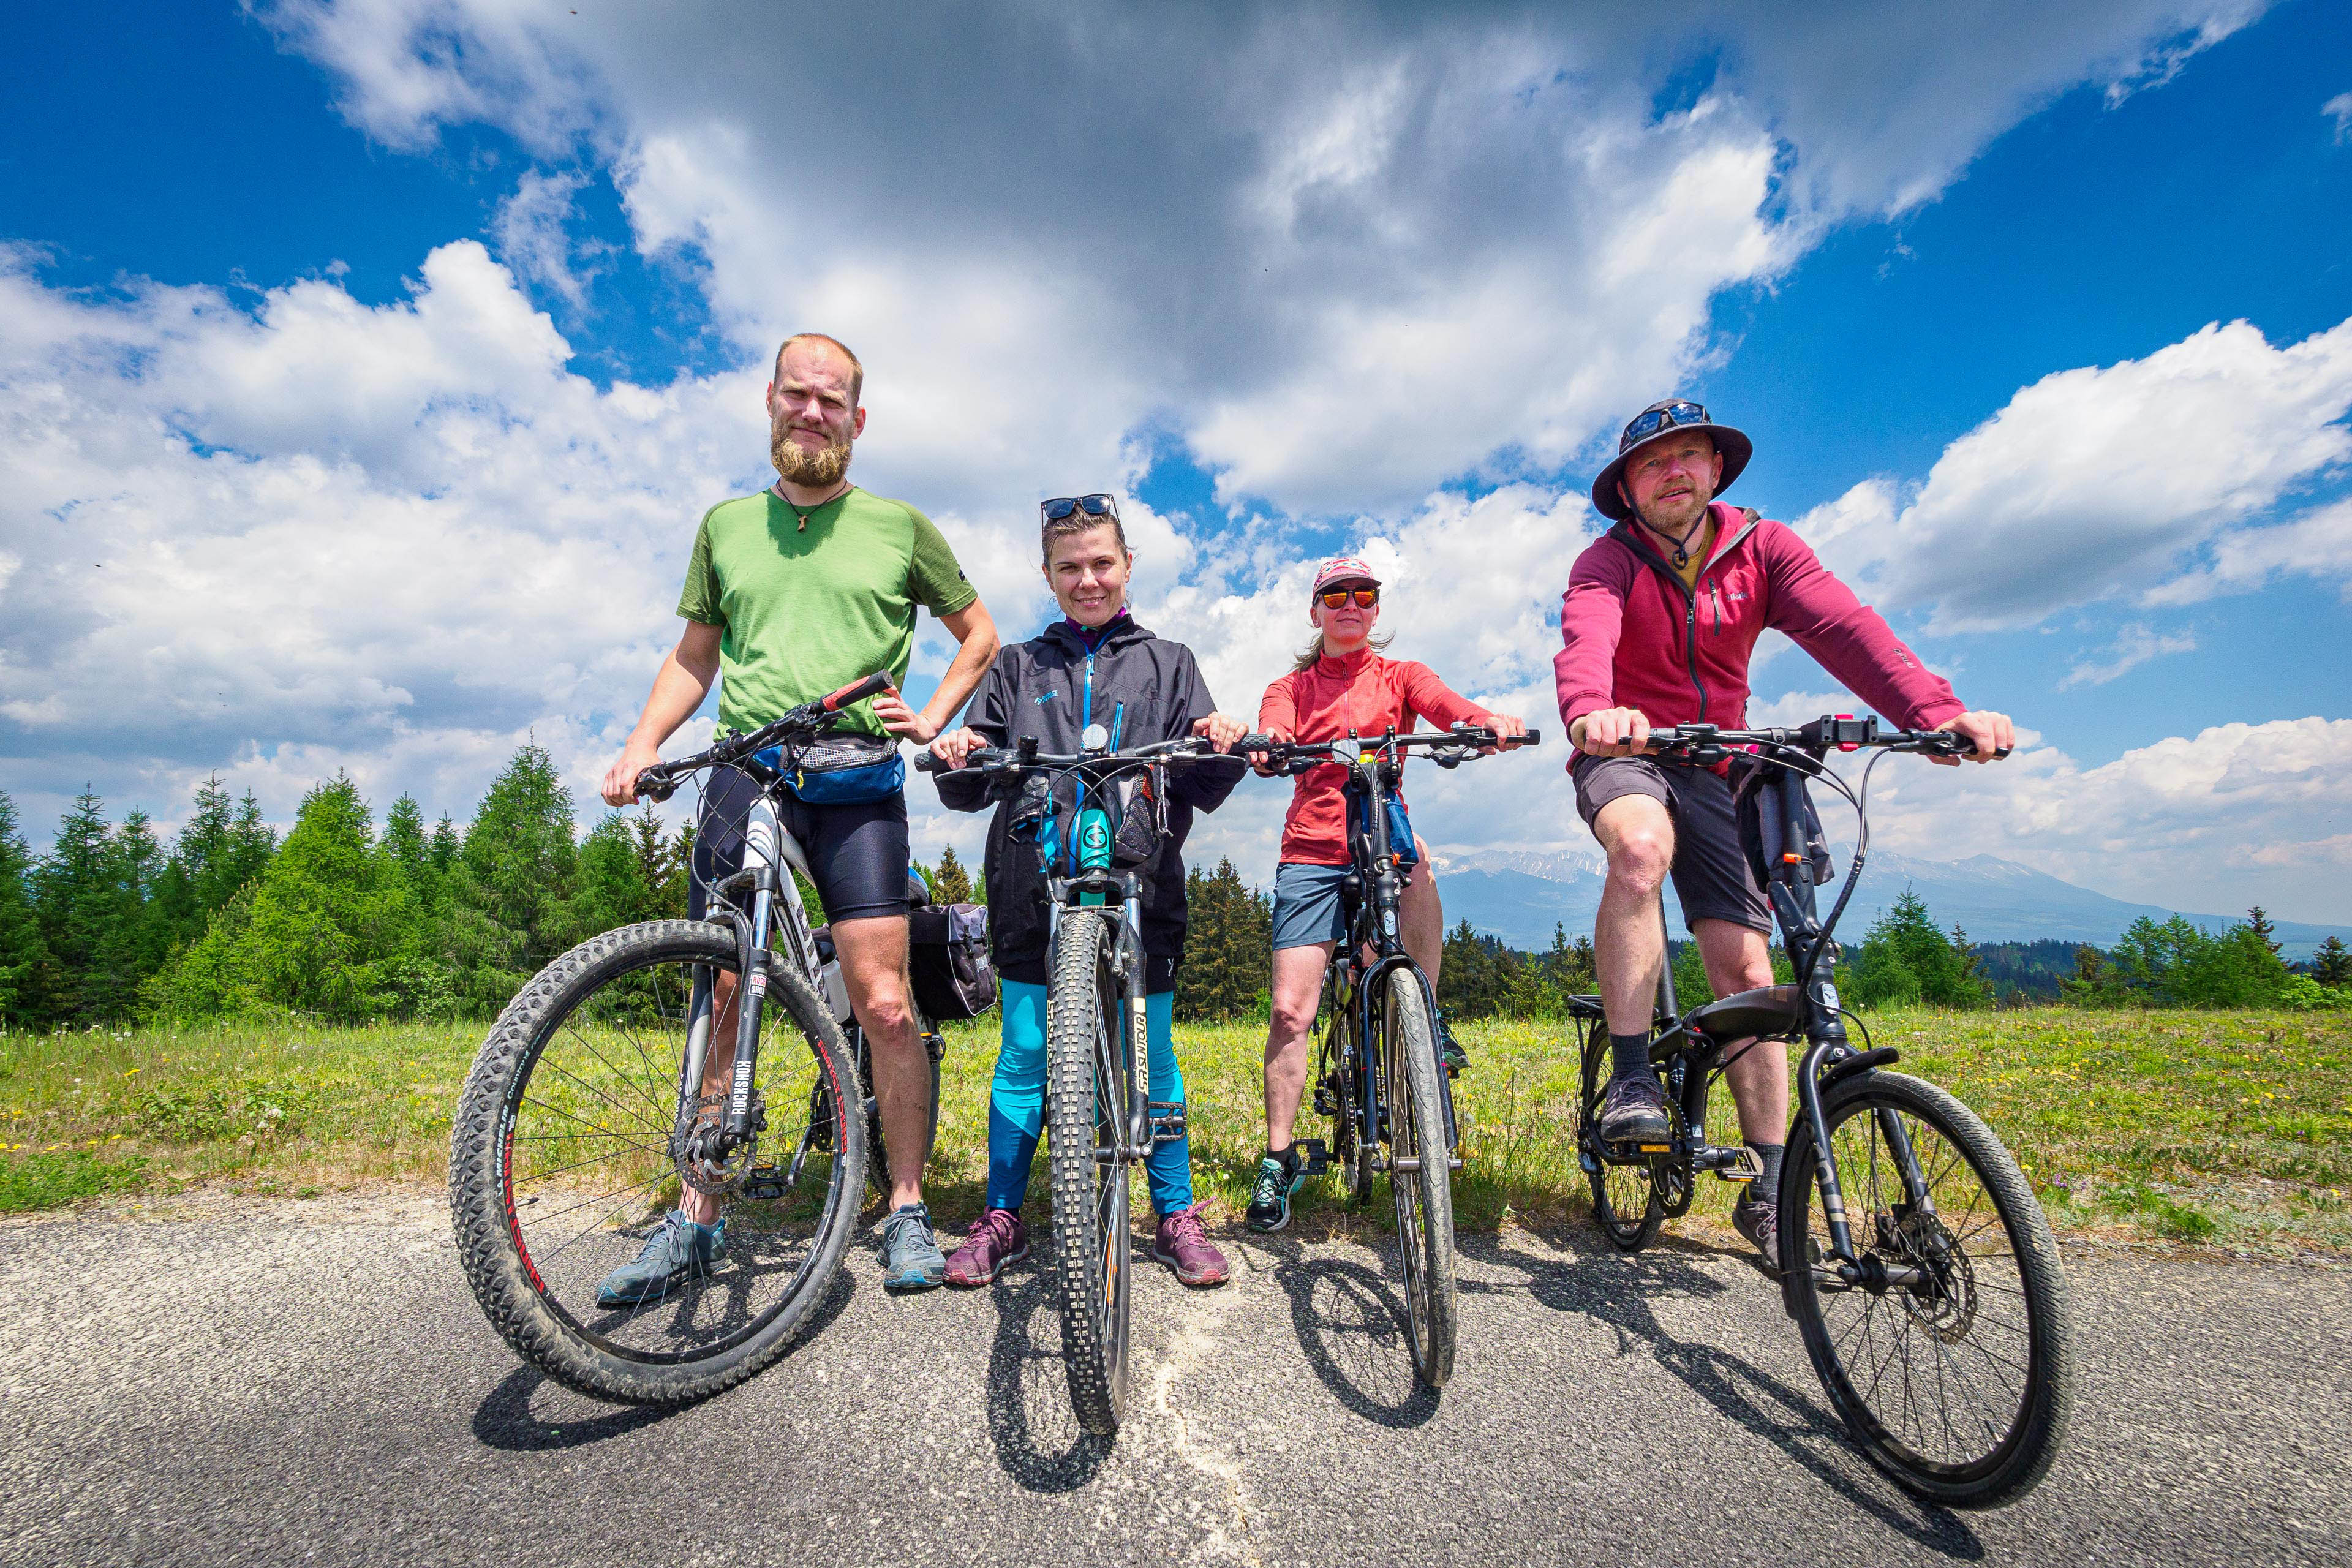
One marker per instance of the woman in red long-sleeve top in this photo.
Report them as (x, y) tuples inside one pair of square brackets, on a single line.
[(1341, 684)]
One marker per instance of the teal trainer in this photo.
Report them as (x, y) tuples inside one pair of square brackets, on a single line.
[(1278, 1176), (679, 1250), (911, 1258)]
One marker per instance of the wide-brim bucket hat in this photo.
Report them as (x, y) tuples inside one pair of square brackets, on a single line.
[(1668, 417)]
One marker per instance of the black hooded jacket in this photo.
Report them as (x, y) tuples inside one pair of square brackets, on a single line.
[(1051, 687)]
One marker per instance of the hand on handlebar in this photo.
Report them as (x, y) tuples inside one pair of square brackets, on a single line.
[(1506, 728), (619, 786), (1991, 737), (953, 747), (1258, 763), (1611, 732), (1220, 729)]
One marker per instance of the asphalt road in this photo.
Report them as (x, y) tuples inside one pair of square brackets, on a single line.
[(299, 1386)]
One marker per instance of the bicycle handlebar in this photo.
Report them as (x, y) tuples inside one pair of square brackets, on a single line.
[(806, 721), (1463, 742), (1831, 731), (1006, 759)]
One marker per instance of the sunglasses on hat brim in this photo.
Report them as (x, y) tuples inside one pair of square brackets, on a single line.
[(1333, 598), (1650, 421), (1095, 505)]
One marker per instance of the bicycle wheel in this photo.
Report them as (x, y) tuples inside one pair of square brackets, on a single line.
[(570, 1145), (1628, 1204), (1420, 1174), (1959, 1381), (1090, 1084)]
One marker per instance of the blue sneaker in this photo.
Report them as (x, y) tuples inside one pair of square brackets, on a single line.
[(1278, 1176), (678, 1249), (911, 1258)]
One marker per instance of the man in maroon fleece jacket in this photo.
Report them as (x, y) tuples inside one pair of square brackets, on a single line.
[(1661, 615)]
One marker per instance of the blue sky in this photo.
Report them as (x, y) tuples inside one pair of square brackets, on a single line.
[(363, 368)]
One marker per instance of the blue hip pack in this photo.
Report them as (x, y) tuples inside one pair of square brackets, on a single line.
[(840, 769)]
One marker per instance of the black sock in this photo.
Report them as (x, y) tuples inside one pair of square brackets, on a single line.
[(1632, 1054), (1766, 1187), (1288, 1158)]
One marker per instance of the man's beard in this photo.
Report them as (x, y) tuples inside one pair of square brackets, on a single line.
[(1678, 517), (797, 465)]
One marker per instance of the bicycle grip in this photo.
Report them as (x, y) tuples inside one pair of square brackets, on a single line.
[(857, 691), (1532, 738), (649, 787), (929, 761)]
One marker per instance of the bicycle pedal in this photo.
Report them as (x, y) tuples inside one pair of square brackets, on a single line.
[(1742, 1164), (1314, 1157), (1167, 1121), (764, 1184)]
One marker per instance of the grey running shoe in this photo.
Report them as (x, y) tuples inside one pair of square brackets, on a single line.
[(912, 1260), (1278, 1176), (679, 1250), (1760, 1224), (1635, 1111)]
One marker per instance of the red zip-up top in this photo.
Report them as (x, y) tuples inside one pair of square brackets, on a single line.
[(1633, 636), (1362, 693)]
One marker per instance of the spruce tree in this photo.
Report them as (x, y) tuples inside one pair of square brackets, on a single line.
[(404, 840), (140, 941), (613, 891), (513, 884), (2264, 932), (952, 885), (245, 854), (79, 909), (333, 924), (22, 952), (2331, 965)]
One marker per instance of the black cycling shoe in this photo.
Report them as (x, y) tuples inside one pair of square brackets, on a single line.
[(1278, 1176), (1760, 1224), (1635, 1111), (1450, 1053)]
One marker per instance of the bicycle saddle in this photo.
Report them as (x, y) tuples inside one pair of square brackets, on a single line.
[(1767, 1010)]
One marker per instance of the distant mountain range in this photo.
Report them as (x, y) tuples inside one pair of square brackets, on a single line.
[(1520, 897)]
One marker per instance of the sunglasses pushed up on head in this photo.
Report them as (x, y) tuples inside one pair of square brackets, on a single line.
[(1335, 597), (1650, 421), (1095, 505)]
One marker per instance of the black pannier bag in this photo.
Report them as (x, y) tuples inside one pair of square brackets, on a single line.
[(947, 955)]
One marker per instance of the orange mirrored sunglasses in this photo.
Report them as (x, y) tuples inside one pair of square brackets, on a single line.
[(1365, 597)]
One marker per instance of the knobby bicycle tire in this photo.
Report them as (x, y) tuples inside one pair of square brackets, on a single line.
[(1088, 1087), (1424, 1197), (1618, 1191), (508, 1271), (1996, 1321)]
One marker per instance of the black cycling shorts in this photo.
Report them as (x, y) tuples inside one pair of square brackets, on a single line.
[(857, 854), (1712, 877)]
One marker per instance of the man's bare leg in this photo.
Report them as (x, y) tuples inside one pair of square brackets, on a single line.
[(717, 1077), (1628, 940), (1738, 959), (872, 953), (1297, 987)]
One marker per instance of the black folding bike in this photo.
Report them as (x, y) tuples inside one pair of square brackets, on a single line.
[(1934, 1307), (1376, 1073), (587, 1113), (1101, 1120)]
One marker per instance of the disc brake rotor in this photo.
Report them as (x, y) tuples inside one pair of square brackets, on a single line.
[(690, 1150)]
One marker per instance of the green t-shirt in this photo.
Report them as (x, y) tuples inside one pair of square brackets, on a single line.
[(803, 612)]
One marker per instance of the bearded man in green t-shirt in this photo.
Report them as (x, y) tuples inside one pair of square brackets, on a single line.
[(800, 590)]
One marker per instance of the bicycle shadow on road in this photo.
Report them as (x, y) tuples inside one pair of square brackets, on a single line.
[(504, 1419), (1352, 1326), (1620, 1291), (1035, 1433)]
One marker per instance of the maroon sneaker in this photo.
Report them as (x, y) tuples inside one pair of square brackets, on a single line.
[(1183, 1245), (996, 1238)]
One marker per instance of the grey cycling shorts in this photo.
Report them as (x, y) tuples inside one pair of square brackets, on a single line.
[(1712, 876)]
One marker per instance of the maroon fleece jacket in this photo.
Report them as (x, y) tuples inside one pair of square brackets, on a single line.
[(1633, 636)]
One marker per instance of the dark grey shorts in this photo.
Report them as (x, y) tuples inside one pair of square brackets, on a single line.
[(1712, 876)]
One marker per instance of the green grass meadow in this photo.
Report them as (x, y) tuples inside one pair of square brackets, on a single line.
[(2232, 1130)]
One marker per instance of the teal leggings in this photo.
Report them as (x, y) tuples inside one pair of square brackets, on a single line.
[(1016, 1103)]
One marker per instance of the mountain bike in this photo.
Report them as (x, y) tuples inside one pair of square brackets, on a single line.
[(592, 1106), (1376, 1073), (1921, 1272), (1098, 815)]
